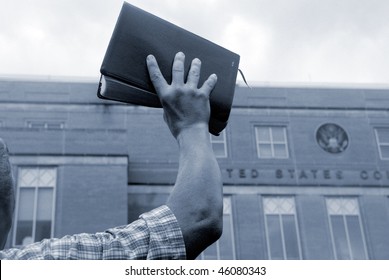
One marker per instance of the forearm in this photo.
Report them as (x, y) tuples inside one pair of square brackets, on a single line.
[(197, 199)]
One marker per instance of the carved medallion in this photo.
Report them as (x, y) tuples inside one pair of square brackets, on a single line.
[(332, 138)]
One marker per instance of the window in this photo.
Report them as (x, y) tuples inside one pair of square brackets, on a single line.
[(282, 235), (382, 137), (34, 205), (271, 142), (219, 144), (346, 228), (224, 248), (50, 125)]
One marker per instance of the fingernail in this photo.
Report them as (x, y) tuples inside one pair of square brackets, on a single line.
[(180, 54), (150, 56), (196, 60)]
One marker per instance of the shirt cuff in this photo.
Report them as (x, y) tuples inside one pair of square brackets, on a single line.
[(166, 239)]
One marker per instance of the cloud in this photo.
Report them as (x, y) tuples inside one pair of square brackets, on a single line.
[(59, 37), (280, 40), (324, 41)]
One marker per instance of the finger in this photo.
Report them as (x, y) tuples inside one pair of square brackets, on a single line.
[(178, 68), (156, 76), (209, 84), (194, 73)]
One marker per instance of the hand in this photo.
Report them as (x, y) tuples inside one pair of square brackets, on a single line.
[(185, 105)]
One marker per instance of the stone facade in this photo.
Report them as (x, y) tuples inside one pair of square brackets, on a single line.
[(115, 161)]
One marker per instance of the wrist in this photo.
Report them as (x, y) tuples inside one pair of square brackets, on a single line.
[(193, 136)]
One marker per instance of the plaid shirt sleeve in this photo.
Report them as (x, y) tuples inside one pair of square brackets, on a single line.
[(156, 235)]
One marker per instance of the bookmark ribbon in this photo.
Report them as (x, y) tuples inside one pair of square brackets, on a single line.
[(244, 79)]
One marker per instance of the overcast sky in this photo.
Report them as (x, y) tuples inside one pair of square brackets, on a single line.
[(324, 41)]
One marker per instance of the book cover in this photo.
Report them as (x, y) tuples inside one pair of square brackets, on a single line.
[(137, 34)]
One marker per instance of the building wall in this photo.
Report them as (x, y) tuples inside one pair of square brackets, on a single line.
[(116, 161), (59, 124)]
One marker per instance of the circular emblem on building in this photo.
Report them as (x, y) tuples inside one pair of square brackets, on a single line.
[(332, 138)]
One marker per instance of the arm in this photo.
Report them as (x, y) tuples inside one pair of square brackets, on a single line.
[(196, 199)]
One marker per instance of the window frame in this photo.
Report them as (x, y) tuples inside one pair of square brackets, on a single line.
[(344, 220), (271, 142), (280, 220), (226, 201), (36, 190), (216, 140), (380, 144), (45, 124)]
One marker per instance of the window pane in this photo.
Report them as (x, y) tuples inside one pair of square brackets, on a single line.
[(383, 135), (272, 142), (218, 149), (28, 177), (24, 233), (55, 125), (219, 138), (47, 177), (225, 244), (290, 236), (34, 205), (356, 238), (211, 252), (342, 206), (225, 241), (42, 230), (45, 204), (25, 216), (339, 233), (226, 206), (263, 134), (26, 204), (280, 151), (265, 151), (385, 152), (279, 205), (278, 134), (274, 237), (219, 144)]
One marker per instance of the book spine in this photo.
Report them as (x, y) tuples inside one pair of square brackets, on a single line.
[(110, 88)]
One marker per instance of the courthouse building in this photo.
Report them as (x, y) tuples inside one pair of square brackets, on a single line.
[(305, 168)]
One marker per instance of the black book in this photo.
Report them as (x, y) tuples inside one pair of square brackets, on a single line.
[(124, 74)]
